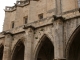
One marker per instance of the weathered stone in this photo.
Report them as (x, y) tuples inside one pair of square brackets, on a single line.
[(54, 36)]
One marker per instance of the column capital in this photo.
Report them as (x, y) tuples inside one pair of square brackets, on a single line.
[(56, 17), (28, 26)]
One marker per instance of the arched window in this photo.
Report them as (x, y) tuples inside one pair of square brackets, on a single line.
[(18, 53), (1, 51), (45, 50), (73, 49)]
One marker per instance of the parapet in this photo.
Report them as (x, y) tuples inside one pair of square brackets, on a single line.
[(10, 9), (18, 3), (22, 3)]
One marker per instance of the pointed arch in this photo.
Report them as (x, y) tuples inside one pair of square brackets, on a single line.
[(1, 51), (18, 51), (43, 37), (44, 40), (72, 48)]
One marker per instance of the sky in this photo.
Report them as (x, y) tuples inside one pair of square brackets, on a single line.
[(4, 3)]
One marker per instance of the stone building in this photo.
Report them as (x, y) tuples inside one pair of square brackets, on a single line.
[(41, 30)]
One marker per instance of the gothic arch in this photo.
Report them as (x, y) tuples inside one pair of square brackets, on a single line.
[(1, 51), (72, 45), (18, 50), (43, 39)]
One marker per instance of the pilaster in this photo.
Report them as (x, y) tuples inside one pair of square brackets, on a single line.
[(58, 7), (58, 34), (7, 46), (32, 10), (29, 35)]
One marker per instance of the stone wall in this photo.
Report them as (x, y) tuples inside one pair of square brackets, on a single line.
[(60, 20)]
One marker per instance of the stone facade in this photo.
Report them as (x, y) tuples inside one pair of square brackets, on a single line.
[(41, 30)]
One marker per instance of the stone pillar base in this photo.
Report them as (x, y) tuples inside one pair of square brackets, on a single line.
[(59, 59)]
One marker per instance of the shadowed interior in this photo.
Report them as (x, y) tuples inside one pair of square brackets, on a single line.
[(46, 51), (1, 52), (19, 52), (74, 50)]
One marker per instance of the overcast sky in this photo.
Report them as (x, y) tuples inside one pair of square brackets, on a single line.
[(4, 3)]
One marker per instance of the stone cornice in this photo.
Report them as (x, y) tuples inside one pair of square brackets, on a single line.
[(1, 35), (71, 14), (75, 13), (70, 11), (6, 32)]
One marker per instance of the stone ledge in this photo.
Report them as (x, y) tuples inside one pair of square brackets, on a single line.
[(71, 14), (6, 32), (1, 35), (70, 11)]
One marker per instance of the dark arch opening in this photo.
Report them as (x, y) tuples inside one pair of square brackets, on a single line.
[(74, 47), (18, 52), (1, 52), (45, 50)]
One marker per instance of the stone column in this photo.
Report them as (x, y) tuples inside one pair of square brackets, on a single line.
[(58, 7), (29, 35), (7, 46), (58, 34)]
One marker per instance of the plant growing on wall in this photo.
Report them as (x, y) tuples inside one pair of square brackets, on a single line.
[(36, 37), (52, 20), (42, 29)]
